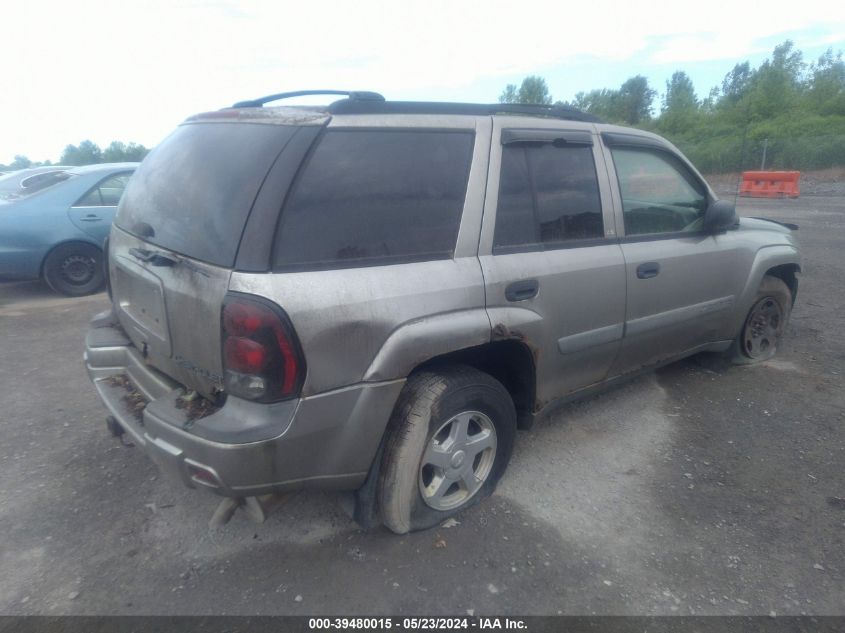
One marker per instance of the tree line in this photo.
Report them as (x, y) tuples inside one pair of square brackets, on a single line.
[(796, 109), (86, 153)]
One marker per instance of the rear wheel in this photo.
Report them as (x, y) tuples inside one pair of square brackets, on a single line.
[(74, 269), (764, 326), (448, 444)]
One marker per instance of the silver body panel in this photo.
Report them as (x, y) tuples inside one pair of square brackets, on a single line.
[(171, 311), (252, 449), (576, 320), (363, 330), (685, 305), (345, 318)]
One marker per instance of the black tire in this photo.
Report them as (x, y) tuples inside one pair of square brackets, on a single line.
[(768, 317), (433, 402), (74, 269)]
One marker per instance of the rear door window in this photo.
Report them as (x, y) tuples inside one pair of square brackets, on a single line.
[(106, 194), (374, 197), (548, 198)]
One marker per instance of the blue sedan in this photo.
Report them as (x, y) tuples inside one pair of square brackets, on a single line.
[(53, 222)]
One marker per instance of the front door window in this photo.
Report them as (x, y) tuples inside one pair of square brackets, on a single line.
[(658, 194)]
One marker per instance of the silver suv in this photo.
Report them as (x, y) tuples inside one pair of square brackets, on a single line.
[(374, 296)]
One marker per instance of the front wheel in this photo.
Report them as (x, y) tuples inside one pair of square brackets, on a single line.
[(74, 269), (764, 326), (449, 442)]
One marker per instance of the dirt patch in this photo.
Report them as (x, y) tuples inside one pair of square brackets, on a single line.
[(197, 407), (133, 399), (501, 332)]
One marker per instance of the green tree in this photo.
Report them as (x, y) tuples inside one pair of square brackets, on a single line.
[(533, 90), (635, 99), (70, 155), (680, 105), (115, 152), (135, 152), (776, 84), (87, 153), (799, 108), (736, 83), (630, 104), (603, 103), (826, 85), (510, 94), (708, 104), (20, 162)]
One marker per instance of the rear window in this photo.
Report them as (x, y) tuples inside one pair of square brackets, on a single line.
[(193, 193), (14, 186), (372, 197)]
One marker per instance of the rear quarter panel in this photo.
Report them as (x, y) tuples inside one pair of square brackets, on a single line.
[(377, 323), (344, 318)]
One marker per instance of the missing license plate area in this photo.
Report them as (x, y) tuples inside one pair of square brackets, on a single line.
[(141, 300)]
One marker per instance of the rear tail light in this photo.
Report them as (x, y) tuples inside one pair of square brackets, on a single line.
[(262, 359)]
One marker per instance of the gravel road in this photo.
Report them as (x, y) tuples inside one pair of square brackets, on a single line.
[(699, 489)]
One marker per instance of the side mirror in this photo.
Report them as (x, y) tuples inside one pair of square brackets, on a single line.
[(720, 215)]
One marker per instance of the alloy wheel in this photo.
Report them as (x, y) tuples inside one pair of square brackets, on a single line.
[(458, 460)]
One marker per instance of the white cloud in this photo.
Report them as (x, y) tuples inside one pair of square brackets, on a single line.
[(132, 70)]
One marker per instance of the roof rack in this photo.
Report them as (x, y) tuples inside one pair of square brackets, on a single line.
[(364, 102), (353, 95), (354, 106)]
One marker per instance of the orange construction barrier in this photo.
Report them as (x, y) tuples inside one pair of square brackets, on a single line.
[(770, 184)]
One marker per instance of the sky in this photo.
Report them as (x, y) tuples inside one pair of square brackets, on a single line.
[(133, 70)]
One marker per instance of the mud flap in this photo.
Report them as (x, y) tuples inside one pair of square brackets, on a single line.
[(365, 512)]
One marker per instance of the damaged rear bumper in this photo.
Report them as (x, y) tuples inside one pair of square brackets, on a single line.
[(325, 441)]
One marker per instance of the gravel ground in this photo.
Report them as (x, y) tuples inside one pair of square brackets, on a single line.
[(702, 488)]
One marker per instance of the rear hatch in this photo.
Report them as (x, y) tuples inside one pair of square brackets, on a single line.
[(176, 236)]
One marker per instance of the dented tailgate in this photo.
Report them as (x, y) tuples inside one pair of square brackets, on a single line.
[(170, 309)]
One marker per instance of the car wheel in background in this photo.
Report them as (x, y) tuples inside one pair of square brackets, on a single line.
[(74, 269), (448, 443)]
